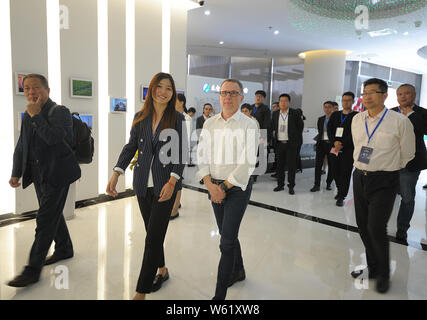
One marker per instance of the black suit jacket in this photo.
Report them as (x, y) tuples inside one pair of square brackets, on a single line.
[(320, 129), (51, 138), (295, 127), (419, 121), (149, 146), (263, 116), (347, 138), (199, 122)]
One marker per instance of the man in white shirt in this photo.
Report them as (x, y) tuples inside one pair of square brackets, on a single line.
[(227, 156), (384, 142)]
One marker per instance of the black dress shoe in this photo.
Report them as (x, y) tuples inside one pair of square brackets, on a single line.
[(315, 188), (174, 217), (201, 182), (55, 258), (23, 280), (278, 188), (237, 276), (323, 172), (340, 202), (274, 175), (357, 273), (425, 186), (328, 187), (291, 191), (158, 281), (336, 197), (382, 285)]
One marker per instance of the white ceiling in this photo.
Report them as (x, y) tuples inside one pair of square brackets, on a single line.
[(244, 26)]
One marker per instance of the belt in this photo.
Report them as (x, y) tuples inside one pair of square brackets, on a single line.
[(216, 181), (283, 141), (376, 173)]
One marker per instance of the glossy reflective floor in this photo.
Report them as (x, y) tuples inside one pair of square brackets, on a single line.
[(285, 256)]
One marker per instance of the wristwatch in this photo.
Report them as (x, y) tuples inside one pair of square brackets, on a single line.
[(223, 187)]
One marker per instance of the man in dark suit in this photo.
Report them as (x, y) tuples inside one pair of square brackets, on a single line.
[(287, 127), (206, 112), (339, 132), (323, 148), (408, 176), (43, 156), (262, 113)]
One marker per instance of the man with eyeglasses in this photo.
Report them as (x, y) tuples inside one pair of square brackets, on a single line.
[(339, 132), (408, 176), (227, 157), (384, 142)]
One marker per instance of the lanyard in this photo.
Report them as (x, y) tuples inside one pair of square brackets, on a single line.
[(342, 121), (255, 110), (284, 119), (376, 127), (398, 110)]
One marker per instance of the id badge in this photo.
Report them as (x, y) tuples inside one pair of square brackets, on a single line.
[(339, 132), (365, 155), (282, 128)]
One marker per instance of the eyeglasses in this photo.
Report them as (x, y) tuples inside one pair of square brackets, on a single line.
[(231, 93), (371, 93)]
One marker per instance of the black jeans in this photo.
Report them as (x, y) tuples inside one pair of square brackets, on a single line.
[(229, 215), (323, 149), (50, 225), (374, 195), (286, 155), (156, 220)]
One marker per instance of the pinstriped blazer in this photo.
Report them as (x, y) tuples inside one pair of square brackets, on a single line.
[(149, 146)]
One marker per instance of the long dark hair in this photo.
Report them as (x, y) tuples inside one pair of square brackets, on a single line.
[(169, 115)]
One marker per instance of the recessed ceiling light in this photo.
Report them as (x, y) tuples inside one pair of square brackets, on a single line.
[(207, 12), (406, 33), (221, 42), (276, 32)]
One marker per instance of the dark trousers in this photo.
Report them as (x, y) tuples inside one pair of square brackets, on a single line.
[(323, 149), (374, 196), (286, 156), (342, 167), (50, 225), (408, 181), (156, 220), (228, 216)]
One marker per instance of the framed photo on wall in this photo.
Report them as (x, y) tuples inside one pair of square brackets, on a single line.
[(19, 77), (144, 91), (81, 88), (118, 105)]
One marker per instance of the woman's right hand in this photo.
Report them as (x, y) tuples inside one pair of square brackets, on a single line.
[(111, 186)]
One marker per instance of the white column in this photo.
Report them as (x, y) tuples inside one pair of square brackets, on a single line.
[(324, 72), (423, 93)]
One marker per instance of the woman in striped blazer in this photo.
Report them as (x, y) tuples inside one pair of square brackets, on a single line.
[(157, 134)]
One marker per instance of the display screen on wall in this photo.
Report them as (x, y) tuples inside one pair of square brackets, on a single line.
[(19, 85), (118, 105), (81, 88), (86, 118), (144, 91)]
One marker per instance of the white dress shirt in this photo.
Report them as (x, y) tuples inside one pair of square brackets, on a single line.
[(393, 142), (227, 149), (283, 120)]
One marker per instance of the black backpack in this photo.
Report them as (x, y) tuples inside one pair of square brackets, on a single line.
[(83, 140), (83, 145)]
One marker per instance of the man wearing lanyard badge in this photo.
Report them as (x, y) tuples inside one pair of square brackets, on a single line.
[(384, 142), (287, 127), (339, 132)]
